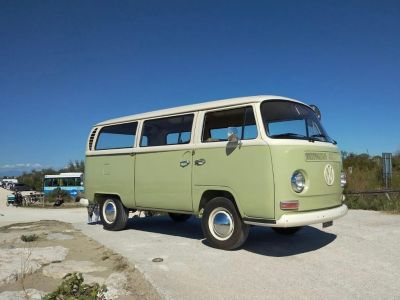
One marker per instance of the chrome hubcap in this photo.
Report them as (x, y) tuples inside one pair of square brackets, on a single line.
[(221, 224), (109, 211)]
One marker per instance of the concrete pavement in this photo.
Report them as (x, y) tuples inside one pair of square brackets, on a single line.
[(356, 258)]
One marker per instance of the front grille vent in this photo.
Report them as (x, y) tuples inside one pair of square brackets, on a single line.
[(91, 139), (322, 156), (316, 156)]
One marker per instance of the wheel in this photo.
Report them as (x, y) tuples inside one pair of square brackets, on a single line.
[(114, 215), (179, 218), (286, 231), (222, 225)]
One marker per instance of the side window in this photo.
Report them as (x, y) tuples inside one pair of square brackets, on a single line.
[(144, 142), (52, 182), (167, 131), (178, 138), (78, 181), (69, 181), (216, 124), (117, 136)]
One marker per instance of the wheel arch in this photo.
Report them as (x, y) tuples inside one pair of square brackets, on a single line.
[(99, 197), (214, 192)]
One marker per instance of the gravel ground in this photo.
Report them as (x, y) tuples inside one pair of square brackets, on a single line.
[(59, 249), (358, 257)]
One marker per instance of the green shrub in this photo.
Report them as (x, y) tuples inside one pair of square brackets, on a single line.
[(382, 202), (73, 287), (53, 195), (29, 238)]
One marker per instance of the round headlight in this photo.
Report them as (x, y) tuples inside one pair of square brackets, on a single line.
[(298, 182), (343, 179)]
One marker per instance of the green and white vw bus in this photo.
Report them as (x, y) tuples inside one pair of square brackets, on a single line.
[(261, 160)]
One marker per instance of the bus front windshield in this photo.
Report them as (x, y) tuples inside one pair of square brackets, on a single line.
[(290, 120)]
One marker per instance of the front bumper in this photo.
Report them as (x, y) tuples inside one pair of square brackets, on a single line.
[(305, 218)]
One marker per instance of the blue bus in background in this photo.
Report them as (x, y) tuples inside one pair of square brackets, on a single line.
[(69, 182)]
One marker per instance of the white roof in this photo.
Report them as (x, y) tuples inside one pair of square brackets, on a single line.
[(12, 180), (196, 107), (64, 175)]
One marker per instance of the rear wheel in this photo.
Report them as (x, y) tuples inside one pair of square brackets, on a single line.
[(114, 215), (286, 231), (179, 218), (222, 225)]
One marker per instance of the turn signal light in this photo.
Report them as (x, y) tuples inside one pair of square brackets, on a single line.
[(290, 205)]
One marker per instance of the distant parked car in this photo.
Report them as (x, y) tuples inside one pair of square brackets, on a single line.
[(20, 187), (9, 182)]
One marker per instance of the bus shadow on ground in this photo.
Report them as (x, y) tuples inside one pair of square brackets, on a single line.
[(265, 241), (262, 241), (164, 225)]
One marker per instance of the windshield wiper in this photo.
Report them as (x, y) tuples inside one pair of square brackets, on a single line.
[(289, 135), (313, 138), (327, 139), (319, 135)]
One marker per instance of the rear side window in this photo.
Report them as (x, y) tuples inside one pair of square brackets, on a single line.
[(167, 131), (52, 182), (216, 124), (117, 136)]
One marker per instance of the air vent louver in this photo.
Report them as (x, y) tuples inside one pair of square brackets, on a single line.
[(316, 156), (322, 156), (91, 139)]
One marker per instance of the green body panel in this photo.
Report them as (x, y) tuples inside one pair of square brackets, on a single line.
[(110, 174), (311, 160), (258, 177), (161, 182), (245, 172)]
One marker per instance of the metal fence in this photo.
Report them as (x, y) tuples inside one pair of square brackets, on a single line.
[(372, 192), (385, 200)]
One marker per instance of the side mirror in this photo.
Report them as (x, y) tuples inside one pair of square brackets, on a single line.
[(233, 136), (316, 111)]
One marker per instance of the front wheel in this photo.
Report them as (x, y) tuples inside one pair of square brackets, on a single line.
[(286, 231), (222, 225), (114, 215)]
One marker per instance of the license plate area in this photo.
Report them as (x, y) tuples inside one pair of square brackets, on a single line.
[(327, 224)]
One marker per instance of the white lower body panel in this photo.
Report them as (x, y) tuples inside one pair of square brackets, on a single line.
[(305, 218)]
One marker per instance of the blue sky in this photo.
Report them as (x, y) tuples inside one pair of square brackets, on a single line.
[(65, 65)]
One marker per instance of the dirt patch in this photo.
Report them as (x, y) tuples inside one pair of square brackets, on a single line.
[(109, 265)]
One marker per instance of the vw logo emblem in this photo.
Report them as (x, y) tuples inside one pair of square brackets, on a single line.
[(329, 174)]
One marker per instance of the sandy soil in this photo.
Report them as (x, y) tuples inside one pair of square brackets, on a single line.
[(81, 248), (3, 198)]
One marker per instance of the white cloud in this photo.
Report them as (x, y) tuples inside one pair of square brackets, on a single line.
[(21, 166)]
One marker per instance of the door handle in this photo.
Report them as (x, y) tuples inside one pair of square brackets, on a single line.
[(184, 163), (200, 162)]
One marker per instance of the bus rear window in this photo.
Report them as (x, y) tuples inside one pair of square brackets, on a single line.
[(117, 136)]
